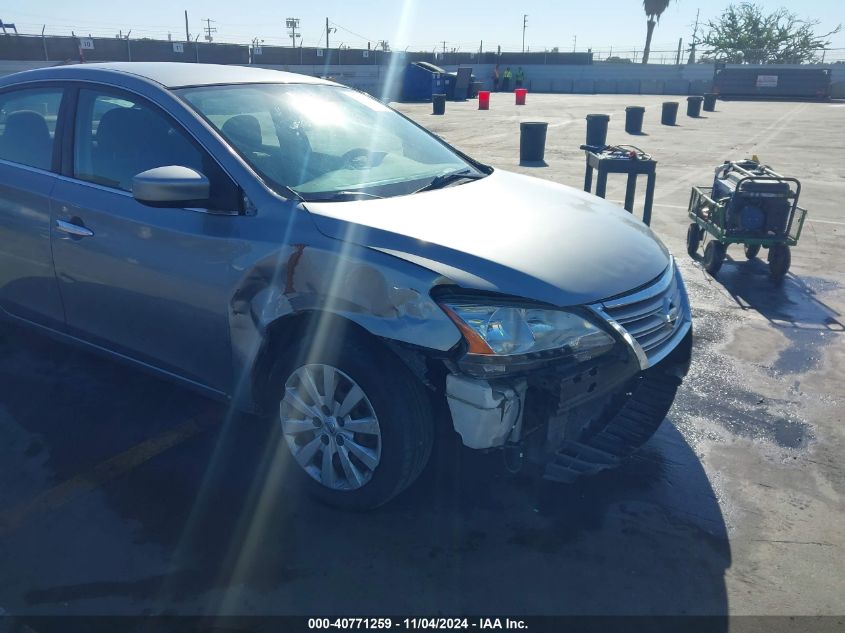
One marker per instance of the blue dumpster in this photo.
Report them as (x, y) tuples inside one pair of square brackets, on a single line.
[(422, 80)]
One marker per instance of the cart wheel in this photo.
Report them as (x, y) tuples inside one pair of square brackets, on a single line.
[(780, 258), (752, 250), (693, 239), (714, 256)]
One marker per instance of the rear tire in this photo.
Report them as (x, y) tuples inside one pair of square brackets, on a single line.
[(393, 432), (714, 256), (751, 251), (693, 239), (780, 258)]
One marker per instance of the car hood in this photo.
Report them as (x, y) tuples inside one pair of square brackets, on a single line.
[(507, 233)]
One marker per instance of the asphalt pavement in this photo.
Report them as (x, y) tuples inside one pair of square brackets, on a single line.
[(123, 494)]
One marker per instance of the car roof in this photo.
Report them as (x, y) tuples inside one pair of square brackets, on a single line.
[(172, 74)]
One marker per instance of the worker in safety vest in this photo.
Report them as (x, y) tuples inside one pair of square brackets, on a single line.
[(520, 77), (506, 79)]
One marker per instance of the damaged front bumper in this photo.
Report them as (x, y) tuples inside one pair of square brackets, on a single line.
[(486, 414), (572, 422), (579, 419)]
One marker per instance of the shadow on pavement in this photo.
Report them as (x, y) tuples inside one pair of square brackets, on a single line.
[(214, 525), (793, 306)]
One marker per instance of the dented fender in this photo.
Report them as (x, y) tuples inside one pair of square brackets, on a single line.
[(388, 297)]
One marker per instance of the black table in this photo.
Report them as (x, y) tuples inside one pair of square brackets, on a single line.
[(607, 163)]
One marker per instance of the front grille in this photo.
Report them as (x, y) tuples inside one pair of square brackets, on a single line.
[(655, 316)]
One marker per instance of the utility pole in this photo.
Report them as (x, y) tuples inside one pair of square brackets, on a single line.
[(574, 42), (328, 31), (292, 24), (678, 58), (209, 29), (444, 49), (524, 24), (255, 49), (691, 59), (187, 32)]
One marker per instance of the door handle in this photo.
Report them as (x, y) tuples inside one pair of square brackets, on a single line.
[(71, 228)]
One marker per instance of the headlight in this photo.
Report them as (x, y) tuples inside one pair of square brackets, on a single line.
[(511, 330)]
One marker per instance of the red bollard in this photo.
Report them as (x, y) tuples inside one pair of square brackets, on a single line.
[(483, 99), (520, 95)]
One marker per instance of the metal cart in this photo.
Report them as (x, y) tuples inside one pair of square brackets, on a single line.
[(748, 204)]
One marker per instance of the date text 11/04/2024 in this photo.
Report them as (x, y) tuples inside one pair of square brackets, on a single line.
[(417, 623)]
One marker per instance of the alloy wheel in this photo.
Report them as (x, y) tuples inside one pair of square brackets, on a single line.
[(330, 427)]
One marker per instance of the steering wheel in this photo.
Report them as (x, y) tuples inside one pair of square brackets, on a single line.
[(360, 158), (356, 158)]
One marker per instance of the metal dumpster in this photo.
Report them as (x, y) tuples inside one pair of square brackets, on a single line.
[(422, 80), (771, 82)]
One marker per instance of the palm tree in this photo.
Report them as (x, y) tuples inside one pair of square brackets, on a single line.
[(653, 9)]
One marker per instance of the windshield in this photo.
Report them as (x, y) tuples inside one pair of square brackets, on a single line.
[(325, 142)]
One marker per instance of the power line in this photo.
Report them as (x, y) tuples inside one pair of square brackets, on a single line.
[(363, 37)]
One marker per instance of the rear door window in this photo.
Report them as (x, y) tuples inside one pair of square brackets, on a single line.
[(28, 125)]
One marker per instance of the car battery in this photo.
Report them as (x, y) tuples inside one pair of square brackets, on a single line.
[(757, 206)]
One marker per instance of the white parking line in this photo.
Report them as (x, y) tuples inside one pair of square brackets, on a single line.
[(679, 206), (813, 221)]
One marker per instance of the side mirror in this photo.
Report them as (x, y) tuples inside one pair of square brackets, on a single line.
[(171, 186)]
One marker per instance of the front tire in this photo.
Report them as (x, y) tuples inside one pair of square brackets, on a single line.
[(693, 239), (780, 258), (357, 423), (714, 256)]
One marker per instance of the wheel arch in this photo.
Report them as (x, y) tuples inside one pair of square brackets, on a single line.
[(284, 336)]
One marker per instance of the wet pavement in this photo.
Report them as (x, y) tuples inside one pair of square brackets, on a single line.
[(123, 494)]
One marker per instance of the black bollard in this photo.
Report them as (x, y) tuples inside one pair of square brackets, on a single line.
[(669, 114), (634, 119), (597, 129), (532, 141), (709, 102), (438, 103), (694, 106)]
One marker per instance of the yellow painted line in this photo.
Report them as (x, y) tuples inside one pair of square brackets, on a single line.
[(106, 471)]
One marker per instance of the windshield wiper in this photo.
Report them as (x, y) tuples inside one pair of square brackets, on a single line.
[(445, 179), (292, 193), (346, 195)]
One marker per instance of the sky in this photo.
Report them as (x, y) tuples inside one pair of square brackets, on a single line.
[(411, 24)]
